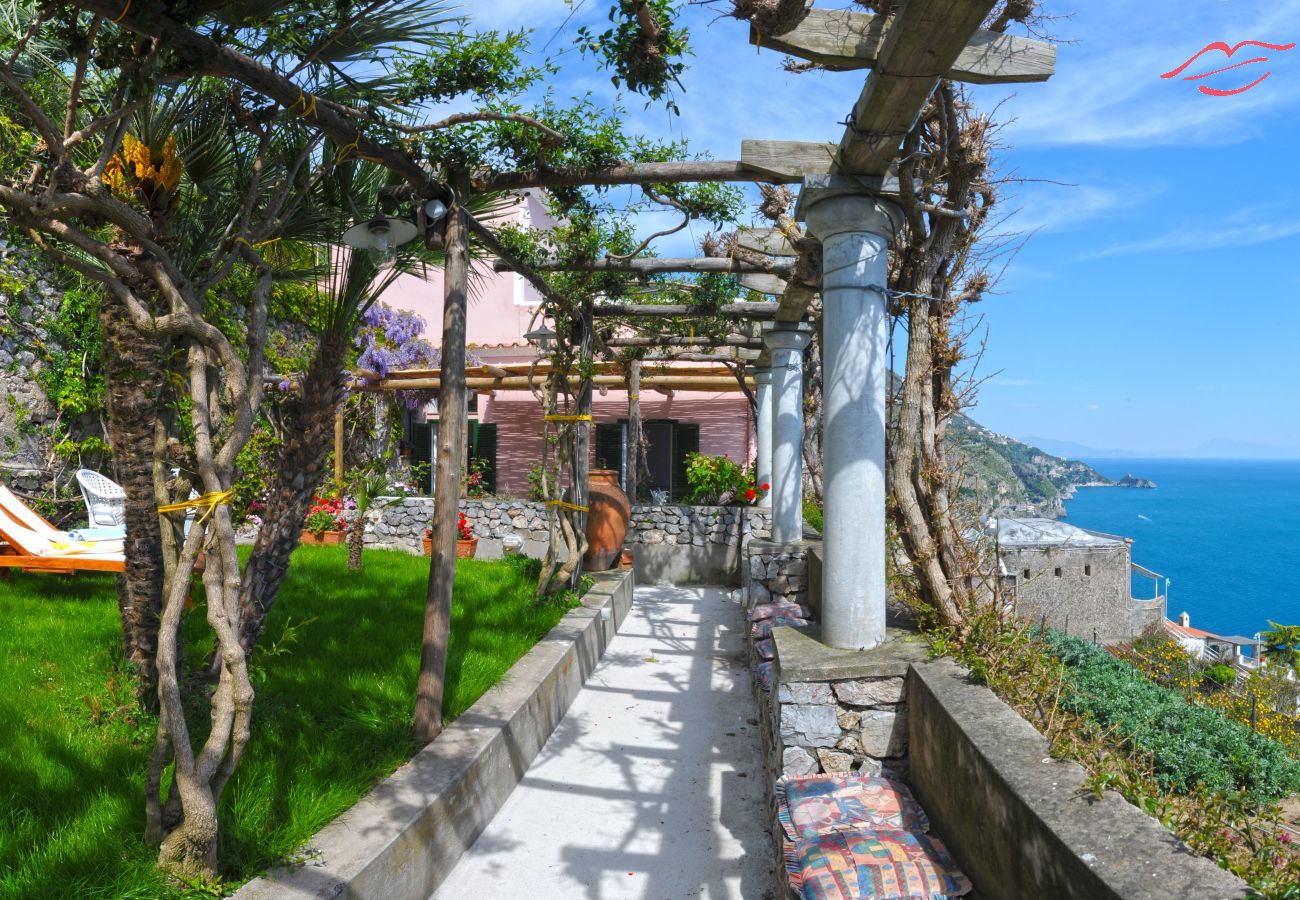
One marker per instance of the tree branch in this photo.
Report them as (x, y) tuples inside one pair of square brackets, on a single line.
[(553, 138)]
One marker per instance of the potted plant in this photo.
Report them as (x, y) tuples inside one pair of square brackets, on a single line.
[(466, 543), (325, 523)]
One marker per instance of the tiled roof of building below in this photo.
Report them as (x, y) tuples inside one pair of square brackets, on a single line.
[(1016, 533), (1187, 631)]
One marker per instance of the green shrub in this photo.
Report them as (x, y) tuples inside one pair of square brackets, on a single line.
[(1220, 674), (720, 480), (1189, 745), (812, 513)]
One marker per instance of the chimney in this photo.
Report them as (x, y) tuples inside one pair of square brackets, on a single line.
[(1184, 620)]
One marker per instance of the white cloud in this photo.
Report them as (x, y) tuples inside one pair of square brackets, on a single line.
[(1241, 228), (1107, 89)]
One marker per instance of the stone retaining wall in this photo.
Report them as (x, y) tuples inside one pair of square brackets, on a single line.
[(1022, 825), (669, 543), (774, 572)]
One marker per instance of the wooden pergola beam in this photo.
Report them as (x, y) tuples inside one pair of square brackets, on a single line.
[(922, 44), (714, 384), (844, 39), (653, 310), (654, 265), (731, 340), (635, 173)]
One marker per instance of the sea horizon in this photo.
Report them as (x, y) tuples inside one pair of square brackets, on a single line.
[(1221, 530)]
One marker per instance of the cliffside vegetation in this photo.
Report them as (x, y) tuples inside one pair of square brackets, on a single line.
[(1001, 475), (1206, 778)]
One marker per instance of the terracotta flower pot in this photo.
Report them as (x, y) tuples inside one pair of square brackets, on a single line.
[(324, 539), (466, 549), (610, 511), (428, 546)]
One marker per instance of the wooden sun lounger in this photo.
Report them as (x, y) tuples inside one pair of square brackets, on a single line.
[(25, 539)]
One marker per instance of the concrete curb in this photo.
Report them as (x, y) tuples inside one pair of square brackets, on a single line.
[(403, 838)]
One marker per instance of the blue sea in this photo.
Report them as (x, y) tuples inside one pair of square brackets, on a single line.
[(1225, 532)]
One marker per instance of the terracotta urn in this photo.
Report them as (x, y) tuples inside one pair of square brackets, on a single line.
[(466, 549), (610, 512), (324, 539)]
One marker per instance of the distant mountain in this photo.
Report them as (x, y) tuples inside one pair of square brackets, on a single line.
[(1071, 450), (1004, 476)]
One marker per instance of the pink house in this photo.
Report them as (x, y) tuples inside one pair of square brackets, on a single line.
[(506, 426)]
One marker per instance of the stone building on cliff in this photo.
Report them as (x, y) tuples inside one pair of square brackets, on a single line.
[(1079, 581)]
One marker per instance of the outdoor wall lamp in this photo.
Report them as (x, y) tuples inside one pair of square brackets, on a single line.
[(543, 337), (382, 233)]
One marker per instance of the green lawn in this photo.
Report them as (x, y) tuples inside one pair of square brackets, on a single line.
[(335, 684)]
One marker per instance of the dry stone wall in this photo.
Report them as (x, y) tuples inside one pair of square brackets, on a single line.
[(400, 524)]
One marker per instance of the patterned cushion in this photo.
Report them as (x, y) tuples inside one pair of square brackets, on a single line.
[(763, 676), (765, 648), (780, 608), (818, 804), (764, 628), (882, 864)]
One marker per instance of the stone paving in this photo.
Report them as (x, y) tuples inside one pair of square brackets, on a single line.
[(651, 787)]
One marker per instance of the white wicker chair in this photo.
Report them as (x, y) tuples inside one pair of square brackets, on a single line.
[(105, 499)]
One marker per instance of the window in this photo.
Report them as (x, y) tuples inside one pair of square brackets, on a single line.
[(1026, 574), (1057, 573), (1087, 570)]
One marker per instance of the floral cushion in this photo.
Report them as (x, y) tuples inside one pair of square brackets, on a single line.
[(763, 676), (882, 864), (810, 805), (764, 628), (765, 648), (780, 608)]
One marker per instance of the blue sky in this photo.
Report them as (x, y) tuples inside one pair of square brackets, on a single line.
[(1154, 304)]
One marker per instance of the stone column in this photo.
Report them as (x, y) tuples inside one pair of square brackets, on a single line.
[(763, 426), (855, 231), (787, 342)]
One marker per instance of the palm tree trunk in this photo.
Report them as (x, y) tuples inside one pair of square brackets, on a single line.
[(133, 373), (300, 469)]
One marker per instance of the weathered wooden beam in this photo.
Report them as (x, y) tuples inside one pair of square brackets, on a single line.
[(772, 241), (731, 340), (654, 265), (738, 310), (764, 284), (788, 160), (639, 173), (844, 39), (524, 382), (921, 45)]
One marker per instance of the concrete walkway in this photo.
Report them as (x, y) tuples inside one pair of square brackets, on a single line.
[(650, 788)]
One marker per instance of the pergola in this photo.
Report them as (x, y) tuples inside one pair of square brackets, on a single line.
[(848, 200)]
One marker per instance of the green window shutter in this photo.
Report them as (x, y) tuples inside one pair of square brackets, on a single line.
[(422, 451), (686, 439), (485, 448), (609, 446)]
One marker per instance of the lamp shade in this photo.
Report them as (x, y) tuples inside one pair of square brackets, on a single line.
[(382, 234), (541, 337)]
